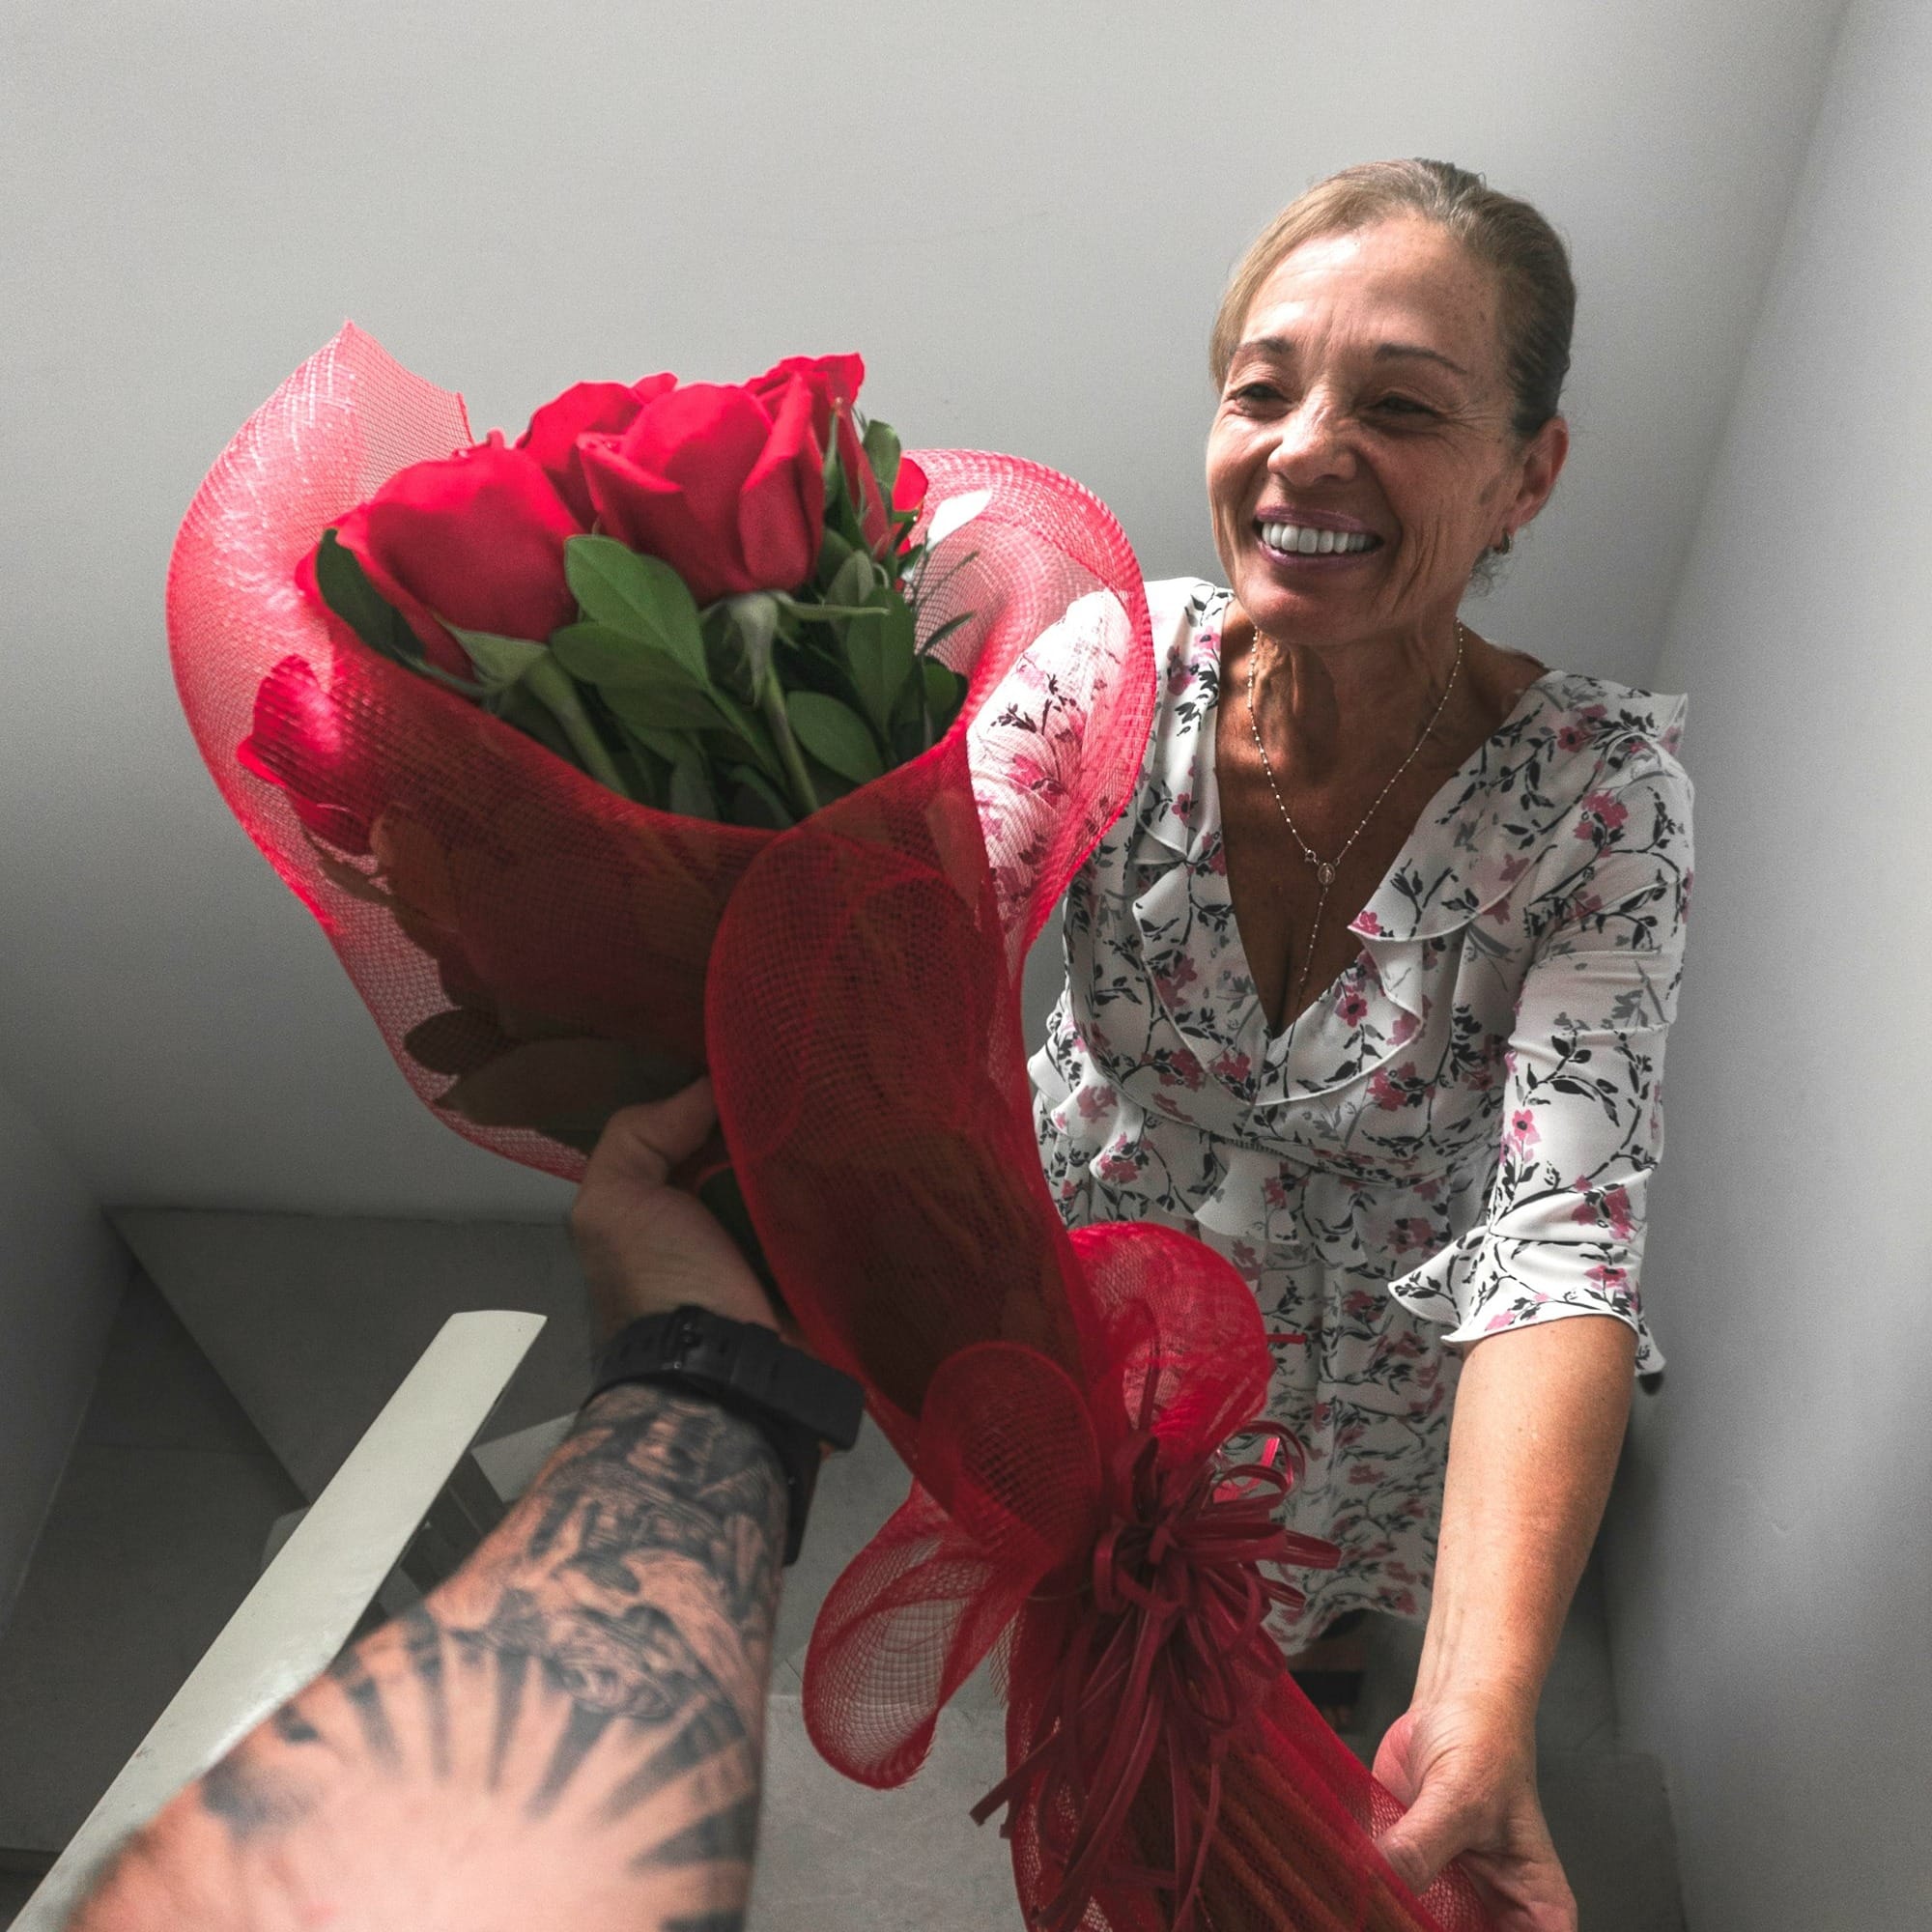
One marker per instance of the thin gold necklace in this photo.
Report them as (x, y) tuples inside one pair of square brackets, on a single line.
[(1325, 869)]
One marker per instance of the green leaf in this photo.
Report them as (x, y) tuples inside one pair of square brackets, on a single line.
[(601, 654), (945, 630), (746, 729), (832, 551), (643, 685), (667, 707), (499, 660), (826, 783), (659, 741), (944, 693), (345, 590), (834, 734), (854, 580), (882, 452), (557, 1085), (691, 792), (757, 802), (457, 1041), (516, 706), (880, 656), (641, 597)]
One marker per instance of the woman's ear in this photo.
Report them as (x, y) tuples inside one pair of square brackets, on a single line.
[(1542, 458)]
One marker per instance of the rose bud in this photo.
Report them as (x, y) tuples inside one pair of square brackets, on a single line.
[(585, 409), (474, 539), (727, 487)]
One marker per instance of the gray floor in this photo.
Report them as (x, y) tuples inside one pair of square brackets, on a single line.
[(159, 1526)]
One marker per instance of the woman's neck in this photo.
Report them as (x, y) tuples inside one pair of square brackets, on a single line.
[(1336, 716)]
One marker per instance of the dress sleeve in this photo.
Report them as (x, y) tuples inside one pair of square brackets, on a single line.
[(1583, 1122)]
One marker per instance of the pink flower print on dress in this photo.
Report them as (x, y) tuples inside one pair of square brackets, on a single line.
[(1174, 976), (1094, 1101), (1405, 1030), (1366, 922), (1411, 1231), (1573, 737), (1120, 1167), (1230, 1066), (1183, 1067), (1402, 1089), (1521, 1133), (1612, 1280), (1360, 1302), (1352, 1005), (1274, 1191), (1610, 1209), (1603, 813)]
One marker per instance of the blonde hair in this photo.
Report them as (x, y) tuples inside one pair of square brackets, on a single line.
[(1538, 303)]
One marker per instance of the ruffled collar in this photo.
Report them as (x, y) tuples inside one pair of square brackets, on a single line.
[(1483, 829)]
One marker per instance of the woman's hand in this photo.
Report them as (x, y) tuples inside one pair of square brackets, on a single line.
[(646, 1248), (1467, 1773)]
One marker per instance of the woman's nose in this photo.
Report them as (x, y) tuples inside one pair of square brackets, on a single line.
[(1312, 442)]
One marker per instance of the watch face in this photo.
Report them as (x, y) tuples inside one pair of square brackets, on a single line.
[(686, 1337)]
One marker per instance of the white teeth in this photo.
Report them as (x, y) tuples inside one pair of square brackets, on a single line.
[(1305, 540)]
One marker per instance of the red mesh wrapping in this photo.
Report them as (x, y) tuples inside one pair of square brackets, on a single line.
[(853, 984)]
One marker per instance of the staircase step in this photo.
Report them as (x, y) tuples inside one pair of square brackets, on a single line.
[(313, 1321)]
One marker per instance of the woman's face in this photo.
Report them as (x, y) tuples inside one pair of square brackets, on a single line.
[(1366, 406)]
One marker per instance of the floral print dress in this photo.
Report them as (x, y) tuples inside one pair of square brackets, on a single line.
[(1454, 1139)]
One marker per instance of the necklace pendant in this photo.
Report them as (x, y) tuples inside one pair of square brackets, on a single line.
[(1325, 874)]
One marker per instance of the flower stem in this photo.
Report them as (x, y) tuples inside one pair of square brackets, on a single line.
[(770, 701), (549, 685)]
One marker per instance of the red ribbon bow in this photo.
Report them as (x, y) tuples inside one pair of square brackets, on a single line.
[(1164, 1649)]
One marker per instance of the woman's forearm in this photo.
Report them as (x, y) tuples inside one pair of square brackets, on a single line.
[(568, 1733), (1540, 1417)]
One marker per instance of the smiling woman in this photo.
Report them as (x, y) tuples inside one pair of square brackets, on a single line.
[(1369, 985)]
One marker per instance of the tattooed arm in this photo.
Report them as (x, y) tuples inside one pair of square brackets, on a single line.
[(569, 1732)]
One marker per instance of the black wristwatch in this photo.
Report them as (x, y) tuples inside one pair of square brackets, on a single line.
[(796, 1402)]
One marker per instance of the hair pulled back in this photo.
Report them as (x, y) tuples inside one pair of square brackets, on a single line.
[(1538, 298)]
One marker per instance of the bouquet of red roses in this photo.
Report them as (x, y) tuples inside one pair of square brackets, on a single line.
[(700, 728)]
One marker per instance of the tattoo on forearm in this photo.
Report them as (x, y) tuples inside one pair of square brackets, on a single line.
[(596, 1676)]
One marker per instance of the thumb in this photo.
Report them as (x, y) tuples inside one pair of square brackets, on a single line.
[(1420, 1843), (642, 1144)]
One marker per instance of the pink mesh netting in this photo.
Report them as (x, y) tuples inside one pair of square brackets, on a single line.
[(853, 985)]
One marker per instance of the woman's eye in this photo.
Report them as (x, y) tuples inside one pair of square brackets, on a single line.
[(1404, 406), (1255, 392)]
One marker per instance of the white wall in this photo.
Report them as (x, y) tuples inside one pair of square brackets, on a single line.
[(1770, 1555), (61, 1276), (1022, 213)]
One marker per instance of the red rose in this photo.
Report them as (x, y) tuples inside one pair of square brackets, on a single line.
[(726, 486), (585, 409), (835, 381), (475, 539), (297, 744)]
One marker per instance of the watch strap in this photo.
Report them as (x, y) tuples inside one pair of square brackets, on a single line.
[(797, 1403)]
